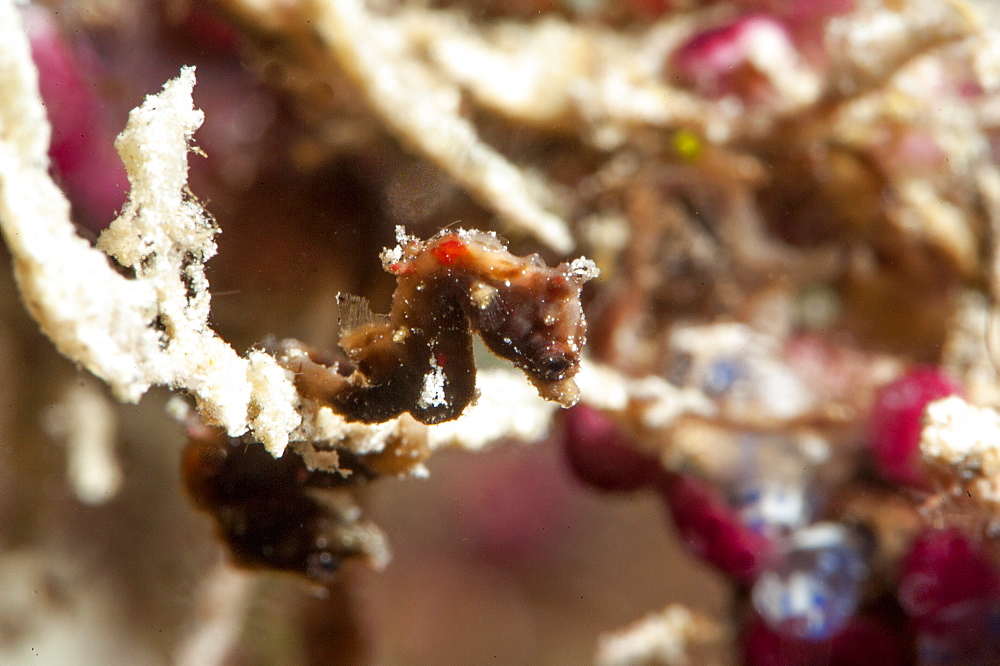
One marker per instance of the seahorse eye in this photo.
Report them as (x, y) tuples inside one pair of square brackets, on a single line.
[(554, 366)]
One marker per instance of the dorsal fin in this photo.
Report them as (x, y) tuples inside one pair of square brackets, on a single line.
[(355, 313)]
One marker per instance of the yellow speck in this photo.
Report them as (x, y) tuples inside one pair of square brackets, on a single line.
[(687, 144)]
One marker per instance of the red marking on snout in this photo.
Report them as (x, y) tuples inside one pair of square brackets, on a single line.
[(448, 252)]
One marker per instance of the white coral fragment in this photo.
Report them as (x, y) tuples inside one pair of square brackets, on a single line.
[(660, 638), (92, 314), (508, 406), (131, 332), (432, 393), (274, 402), (963, 436), (423, 108), (24, 129), (86, 421)]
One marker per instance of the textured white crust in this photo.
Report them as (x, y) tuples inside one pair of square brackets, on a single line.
[(962, 436), (423, 107), (131, 332)]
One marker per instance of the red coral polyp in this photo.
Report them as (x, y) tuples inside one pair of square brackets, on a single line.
[(602, 455), (721, 61), (894, 432), (949, 585), (713, 531)]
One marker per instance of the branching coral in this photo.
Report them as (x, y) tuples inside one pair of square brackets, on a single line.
[(151, 329)]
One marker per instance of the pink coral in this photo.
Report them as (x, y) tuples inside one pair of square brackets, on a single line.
[(721, 61), (896, 421), (947, 583), (600, 454), (713, 531), (81, 151)]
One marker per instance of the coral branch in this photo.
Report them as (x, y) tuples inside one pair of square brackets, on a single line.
[(423, 108), (25, 131), (134, 333), (667, 637), (219, 617)]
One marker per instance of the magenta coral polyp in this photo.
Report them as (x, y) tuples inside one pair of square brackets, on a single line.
[(713, 531), (895, 423), (602, 455), (81, 148), (721, 61), (948, 584)]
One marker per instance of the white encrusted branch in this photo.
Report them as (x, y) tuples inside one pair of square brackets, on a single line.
[(962, 436), (424, 109), (665, 638), (131, 332), (134, 333), (961, 442)]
